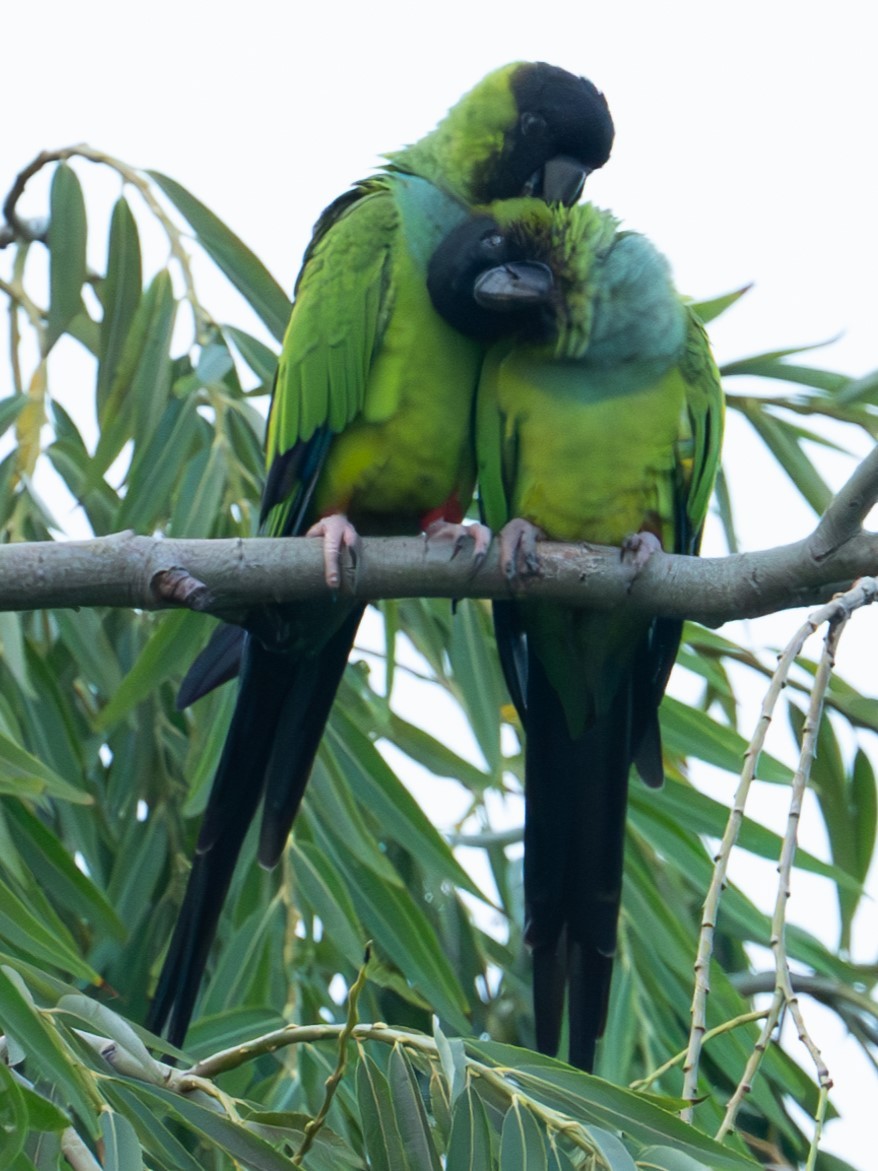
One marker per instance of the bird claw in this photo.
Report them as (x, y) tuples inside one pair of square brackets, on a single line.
[(637, 549), (338, 533), (518, 549), (460, 534)]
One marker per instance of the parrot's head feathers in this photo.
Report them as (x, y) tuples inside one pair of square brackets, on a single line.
[(487, 283), (526, 129), (524, 270)]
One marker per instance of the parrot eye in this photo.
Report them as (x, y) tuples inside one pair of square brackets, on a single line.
[(493, 240), (533, 125)]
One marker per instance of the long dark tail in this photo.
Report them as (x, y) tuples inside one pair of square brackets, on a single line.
[(282, 708), (575, 801)]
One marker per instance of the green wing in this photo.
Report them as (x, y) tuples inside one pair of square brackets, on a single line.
[(698, 449), (336, 326)]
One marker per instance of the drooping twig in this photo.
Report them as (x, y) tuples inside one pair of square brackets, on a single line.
[(836, 614), (334, 1079), (23, 229)]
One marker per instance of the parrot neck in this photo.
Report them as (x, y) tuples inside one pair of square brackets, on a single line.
[(475, 129)]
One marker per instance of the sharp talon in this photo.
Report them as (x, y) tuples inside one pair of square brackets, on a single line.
[(637, 549), (518, 549), (478, 534), (338, 533)]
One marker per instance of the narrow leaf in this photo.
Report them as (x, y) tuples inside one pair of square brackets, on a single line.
[(522, 1147), (122, 1151), (380, 1129), (121, 294), (243, 268), (411, 1116), (39, 1039), (469, 1147), (67, 242)]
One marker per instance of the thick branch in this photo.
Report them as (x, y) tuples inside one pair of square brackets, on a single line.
[(227, 577)]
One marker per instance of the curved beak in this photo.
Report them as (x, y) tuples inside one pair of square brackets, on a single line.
[(514, 286), (560, 180)]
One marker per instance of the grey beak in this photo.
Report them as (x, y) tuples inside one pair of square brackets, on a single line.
[(563, 180), (514, 286)]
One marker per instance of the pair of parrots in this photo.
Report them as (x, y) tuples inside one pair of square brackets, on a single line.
[(455, 312)]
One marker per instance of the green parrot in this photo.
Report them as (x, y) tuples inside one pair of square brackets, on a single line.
[(370, 430), (599, 418)]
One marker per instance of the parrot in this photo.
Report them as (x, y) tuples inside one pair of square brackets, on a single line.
[(369, 432), (599, 419)]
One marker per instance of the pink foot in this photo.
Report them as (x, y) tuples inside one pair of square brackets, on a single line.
[(518, 549), (637, 548), (446, 530), (338, 533)]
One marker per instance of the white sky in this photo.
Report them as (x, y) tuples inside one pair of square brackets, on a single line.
[(745, 149)]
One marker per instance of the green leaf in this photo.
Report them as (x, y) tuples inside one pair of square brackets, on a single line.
[(781, 441), (667, 1159), (199, 502), (54, 870), (15, 1122), (411, 1116), (246, 272), (469, 1147), (612, 1149), (110, 1024), (230, 1138), (708, 310), (434, 755), (859, 390), (23, 775), (261, 360), (173, 643), (156, 466), (122, 1151), (327, 896), (522, 1147), (864, 813), (690, 732), (43, 1115), (599, 1103), (10, 408), (43, 937), (154, 1136), (380, 790), (477, 678), (141, 380), (121, 294), (380, 1129), (67, 244), (85, 636), (402, 931), (38, 1037)]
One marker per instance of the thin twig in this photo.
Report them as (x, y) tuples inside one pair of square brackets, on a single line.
[(718, 881), (746, 1018), (204, 324), (334, 1079), (835, 613)]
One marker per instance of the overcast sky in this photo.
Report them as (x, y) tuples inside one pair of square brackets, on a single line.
[(745, 148)]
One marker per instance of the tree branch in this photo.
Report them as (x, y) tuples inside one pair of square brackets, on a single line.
[(228, 577)]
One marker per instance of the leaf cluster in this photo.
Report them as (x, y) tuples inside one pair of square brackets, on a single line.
[(103, 781)]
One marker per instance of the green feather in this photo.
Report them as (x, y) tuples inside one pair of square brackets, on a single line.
[(371, 417), (599, 415)]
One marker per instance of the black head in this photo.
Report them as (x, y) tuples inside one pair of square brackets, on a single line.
[(563, 133), (481, 283)]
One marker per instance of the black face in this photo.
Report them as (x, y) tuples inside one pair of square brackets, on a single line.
[(564, 132), (484, 286)]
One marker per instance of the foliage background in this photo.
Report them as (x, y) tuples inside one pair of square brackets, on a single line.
[(262, 136)]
